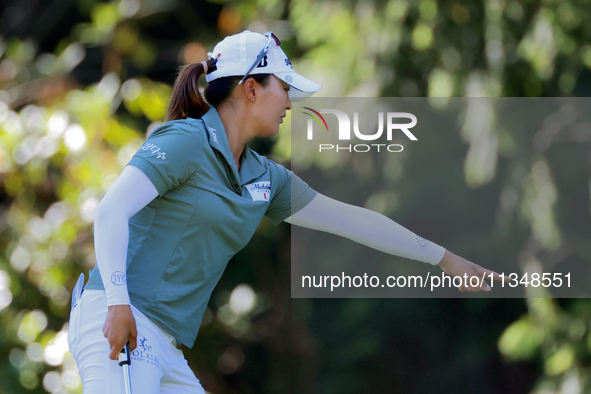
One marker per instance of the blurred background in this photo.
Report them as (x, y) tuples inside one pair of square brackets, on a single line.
[(83, 81)]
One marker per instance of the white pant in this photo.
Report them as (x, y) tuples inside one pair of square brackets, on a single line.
[(157, 366)]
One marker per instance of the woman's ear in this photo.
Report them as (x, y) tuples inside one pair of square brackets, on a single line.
[(249, 87)]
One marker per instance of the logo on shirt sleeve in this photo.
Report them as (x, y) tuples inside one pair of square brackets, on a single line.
[(259, 191), (118, 278), (155, 150), (422, 241)]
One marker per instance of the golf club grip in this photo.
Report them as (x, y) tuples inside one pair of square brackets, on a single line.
[(124, 357)]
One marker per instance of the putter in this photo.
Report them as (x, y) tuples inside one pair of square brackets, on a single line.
[(125, 362)]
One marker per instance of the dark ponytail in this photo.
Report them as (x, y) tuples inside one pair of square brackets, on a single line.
[(186, 100)]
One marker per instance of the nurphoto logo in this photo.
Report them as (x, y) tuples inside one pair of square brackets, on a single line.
[(393, 125)]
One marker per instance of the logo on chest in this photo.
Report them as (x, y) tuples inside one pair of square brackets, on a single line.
[(213, 134), (259, 191)]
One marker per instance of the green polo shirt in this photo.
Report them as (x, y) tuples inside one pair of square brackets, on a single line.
[(206, 211)]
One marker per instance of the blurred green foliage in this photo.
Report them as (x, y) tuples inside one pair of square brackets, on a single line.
[(81, 81)]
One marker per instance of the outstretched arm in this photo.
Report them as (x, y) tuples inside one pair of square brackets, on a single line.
[(382, 233)]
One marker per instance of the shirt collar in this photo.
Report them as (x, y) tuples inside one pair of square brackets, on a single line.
[(251, 166)]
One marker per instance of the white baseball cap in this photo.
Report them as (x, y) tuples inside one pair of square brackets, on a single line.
[(237, 54)]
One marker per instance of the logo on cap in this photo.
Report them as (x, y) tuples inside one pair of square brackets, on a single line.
[(263, 62), (288, 78)]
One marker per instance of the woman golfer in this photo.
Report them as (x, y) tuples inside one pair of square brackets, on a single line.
[(191, 198)]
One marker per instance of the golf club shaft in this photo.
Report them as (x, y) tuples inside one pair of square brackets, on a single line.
[(126, 379), (125, 362)]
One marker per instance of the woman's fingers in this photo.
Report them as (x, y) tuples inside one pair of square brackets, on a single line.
[(475, 285), (119, 329), (132, 338), (117, 340), (481, 272), (483, 275), (495, 276), (473, 277), (116, 347)]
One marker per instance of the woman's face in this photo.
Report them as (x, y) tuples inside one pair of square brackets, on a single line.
[(270, 106)]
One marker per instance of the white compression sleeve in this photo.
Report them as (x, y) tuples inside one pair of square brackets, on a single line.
[(366, 227), (130, 192)]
